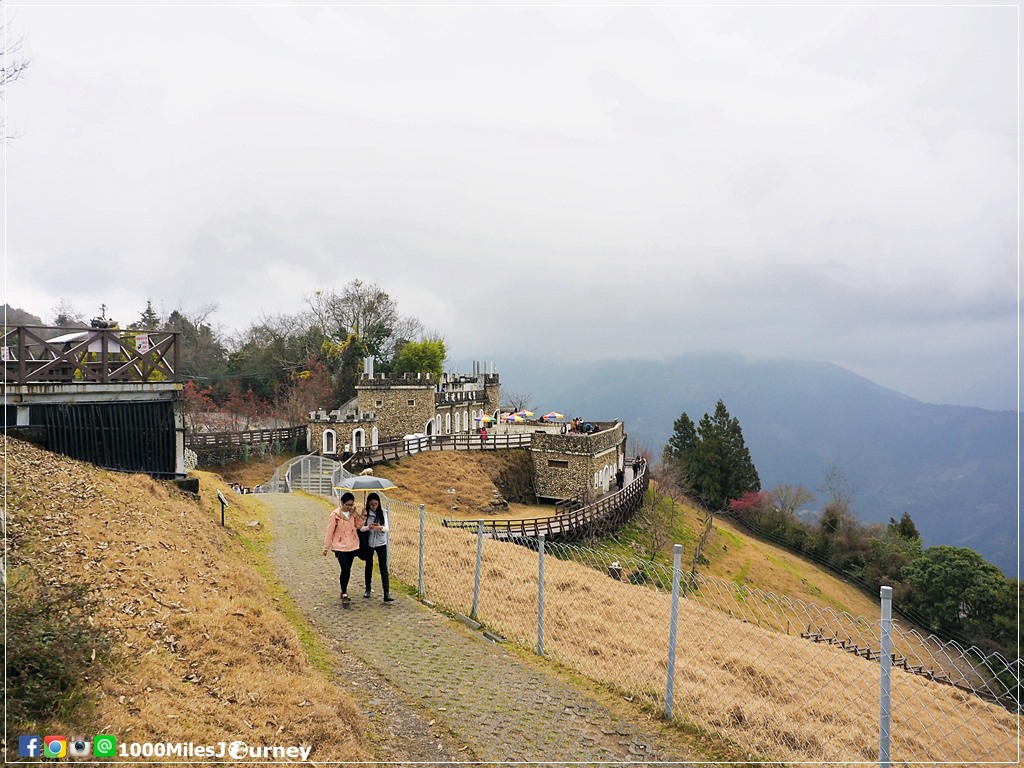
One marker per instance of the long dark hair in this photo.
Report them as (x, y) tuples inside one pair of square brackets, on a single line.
[(379, 515)]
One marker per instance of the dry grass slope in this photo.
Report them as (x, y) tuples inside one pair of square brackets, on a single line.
[(202, 654)]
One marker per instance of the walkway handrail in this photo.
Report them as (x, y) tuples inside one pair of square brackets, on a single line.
[(463, 441), (614, 507), (245, 437)]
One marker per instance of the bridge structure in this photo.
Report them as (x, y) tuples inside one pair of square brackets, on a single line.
[(108, 396)]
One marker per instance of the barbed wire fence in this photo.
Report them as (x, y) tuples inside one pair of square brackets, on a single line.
[(784, 679)]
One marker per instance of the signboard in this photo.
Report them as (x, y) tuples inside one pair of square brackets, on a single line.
[(142, 343)]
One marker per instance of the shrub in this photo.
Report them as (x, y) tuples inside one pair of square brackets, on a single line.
[(51, 646)]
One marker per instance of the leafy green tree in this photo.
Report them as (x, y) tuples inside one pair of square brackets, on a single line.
[(345, 360), (958, 592), (421, 357), (201, 352), (712, 460)]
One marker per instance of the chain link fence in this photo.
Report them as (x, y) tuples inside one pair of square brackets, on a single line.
[(785, 679)]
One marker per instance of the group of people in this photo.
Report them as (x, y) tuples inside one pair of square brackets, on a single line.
[(359, 533), (579, 426)]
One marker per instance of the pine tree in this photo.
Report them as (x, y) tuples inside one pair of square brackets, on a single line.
[(712, 460), (149, 320)]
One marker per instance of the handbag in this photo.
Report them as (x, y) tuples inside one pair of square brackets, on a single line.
[(364, 552)]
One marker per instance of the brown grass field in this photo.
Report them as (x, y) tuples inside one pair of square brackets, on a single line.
[(202, 652), (208, 651)]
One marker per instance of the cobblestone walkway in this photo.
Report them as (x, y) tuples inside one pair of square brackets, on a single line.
[(503, 708)]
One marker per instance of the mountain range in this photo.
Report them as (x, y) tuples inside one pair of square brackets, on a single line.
[(953, 468)]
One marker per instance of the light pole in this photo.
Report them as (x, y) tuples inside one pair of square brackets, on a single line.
[(451, 505)]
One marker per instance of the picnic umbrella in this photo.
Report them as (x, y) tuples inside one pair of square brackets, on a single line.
[(554, 415), (524, 413), (486, 419), (514, 418)]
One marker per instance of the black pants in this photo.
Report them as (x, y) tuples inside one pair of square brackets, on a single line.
[(345, 561), (382, 559)]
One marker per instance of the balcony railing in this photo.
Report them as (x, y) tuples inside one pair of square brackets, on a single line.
[(49, 355)]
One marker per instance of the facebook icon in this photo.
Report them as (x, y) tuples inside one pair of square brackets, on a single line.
[(28, 746)]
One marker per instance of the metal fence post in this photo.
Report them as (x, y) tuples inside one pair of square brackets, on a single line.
[(540, 595), (885, 699), (422, 527), (677, 567), (479, 557)]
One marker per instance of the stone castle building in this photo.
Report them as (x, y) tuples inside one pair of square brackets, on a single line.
[(387, 408)]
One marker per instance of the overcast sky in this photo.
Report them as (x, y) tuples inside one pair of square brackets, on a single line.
[(819, 183)]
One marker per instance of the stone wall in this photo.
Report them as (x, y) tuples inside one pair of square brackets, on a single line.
[(403, 405), (396, 406), (565, 465)]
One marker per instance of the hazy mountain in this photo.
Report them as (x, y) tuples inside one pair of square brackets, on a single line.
[(16, 316), (953, 468)]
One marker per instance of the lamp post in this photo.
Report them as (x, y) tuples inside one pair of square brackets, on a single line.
[(451, 505)]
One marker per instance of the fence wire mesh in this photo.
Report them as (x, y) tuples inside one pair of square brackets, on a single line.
[(785, 679)]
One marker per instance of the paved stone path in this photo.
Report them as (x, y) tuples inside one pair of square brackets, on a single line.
[(502, 707)]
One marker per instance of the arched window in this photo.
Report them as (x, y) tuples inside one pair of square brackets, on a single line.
[(330, 442), (448, 423), (458, 421), (597, 480), (358, 439), (374, 437), (437, 423)]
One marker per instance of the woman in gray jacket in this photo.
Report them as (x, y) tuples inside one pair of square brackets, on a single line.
[(377, 525)]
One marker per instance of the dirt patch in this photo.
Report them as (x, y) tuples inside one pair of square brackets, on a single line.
[(476, 477)]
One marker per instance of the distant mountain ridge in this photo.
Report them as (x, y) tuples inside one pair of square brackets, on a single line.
[(953, 468)]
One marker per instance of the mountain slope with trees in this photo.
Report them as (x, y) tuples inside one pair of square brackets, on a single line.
[(953, 469)]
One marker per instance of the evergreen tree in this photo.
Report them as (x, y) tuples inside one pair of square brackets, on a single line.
[(712, 460), (148, 320), (905, 528), (684, 437)]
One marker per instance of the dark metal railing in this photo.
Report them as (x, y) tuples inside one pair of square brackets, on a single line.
[(285, 436)]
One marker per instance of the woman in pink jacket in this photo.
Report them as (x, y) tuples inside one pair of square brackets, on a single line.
[(341, 537)]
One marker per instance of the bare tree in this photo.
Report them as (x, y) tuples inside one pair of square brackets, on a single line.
[(65, 314), (788, 499), (518, 401), (13, 64)]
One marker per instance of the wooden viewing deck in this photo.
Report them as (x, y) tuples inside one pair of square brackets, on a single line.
[(50, 355)]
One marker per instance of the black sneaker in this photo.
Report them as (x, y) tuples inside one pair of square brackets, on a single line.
[(388, 599), (366, 593)]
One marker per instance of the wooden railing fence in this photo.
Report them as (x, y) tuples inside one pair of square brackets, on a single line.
[(605, 514), (51, 355), (396, 449)]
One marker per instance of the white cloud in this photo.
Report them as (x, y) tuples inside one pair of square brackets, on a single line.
[(832, 182)]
